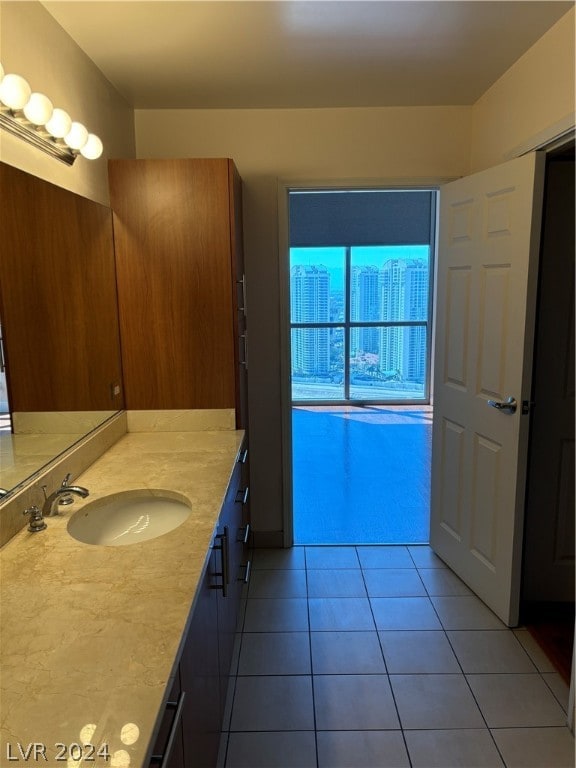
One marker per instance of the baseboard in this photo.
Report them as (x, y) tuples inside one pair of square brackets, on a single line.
[(268, 539)]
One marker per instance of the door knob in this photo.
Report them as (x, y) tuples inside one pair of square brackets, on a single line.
[(508, 406)]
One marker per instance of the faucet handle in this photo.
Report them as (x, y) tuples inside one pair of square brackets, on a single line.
[(67, 498), (36, 520)]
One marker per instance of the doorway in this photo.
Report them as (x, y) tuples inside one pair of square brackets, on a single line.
[(547, 605), (360, 296), (504, 600)]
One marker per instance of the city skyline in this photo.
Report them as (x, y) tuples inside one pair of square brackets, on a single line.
[(333, 258), (394, 291)]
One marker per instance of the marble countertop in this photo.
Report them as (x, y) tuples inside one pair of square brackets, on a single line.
[(90, 635)]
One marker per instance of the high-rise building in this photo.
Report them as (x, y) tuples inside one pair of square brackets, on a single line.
[(364, 306), (416, 291), (310, 303), (404, 296)]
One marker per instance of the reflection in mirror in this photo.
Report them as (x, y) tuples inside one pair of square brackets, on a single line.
[(22, 454), (59, 313)]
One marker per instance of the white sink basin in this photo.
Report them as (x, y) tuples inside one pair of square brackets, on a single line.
[(129, 517)]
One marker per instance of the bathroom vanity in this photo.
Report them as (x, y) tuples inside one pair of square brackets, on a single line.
[(98, 641)]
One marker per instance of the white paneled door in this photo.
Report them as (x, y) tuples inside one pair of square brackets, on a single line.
[(486, 298)]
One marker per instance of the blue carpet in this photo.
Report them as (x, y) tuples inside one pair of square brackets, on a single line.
[(361, 475)]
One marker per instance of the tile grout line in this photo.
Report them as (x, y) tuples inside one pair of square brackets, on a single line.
[(388, 675), (311, 661), (402, 730), (471, 691), (445, 633)]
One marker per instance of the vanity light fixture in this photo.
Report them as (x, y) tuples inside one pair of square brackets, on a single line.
[(33, 118)]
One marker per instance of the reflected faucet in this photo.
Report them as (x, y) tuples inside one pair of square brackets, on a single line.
[(50, 508)]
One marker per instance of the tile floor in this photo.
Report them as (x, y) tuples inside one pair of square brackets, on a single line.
[(380, 657)]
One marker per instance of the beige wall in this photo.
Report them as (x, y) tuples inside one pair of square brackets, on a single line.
[(315, 144), (33, 45), (384, 142), (531, 103)]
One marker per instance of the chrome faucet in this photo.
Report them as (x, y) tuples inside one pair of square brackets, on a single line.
[(50, 508)]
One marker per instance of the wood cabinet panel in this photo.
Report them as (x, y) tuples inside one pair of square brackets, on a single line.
[(174, 222), (57, 298)]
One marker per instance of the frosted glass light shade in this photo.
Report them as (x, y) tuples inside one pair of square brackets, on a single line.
[(93, 148), (77, 136), (65, 139), (59, 124), (14, 91), (39, 109)]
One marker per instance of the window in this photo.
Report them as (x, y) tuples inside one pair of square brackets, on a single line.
[(360, 314)]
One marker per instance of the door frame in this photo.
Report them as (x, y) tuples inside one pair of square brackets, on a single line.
[(285, 186), (548, 144)]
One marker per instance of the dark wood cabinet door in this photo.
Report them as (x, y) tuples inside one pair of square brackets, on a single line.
[(233, 524), (199, 670)]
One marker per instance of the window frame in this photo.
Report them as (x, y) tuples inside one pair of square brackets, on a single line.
[(348, 325)]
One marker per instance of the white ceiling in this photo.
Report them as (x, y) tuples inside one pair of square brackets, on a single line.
[(304, 53)]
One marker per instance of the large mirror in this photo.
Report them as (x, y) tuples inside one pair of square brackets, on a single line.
[(60, 368)]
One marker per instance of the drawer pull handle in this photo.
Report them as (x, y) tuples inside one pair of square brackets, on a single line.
[(244, 534), (178, 706), (244, 360), (242, 496), (223, 548), (246, 578), (242, 282), (243, 456)]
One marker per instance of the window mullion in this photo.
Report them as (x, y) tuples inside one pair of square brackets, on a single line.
[(388, 324), (347, 311)]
